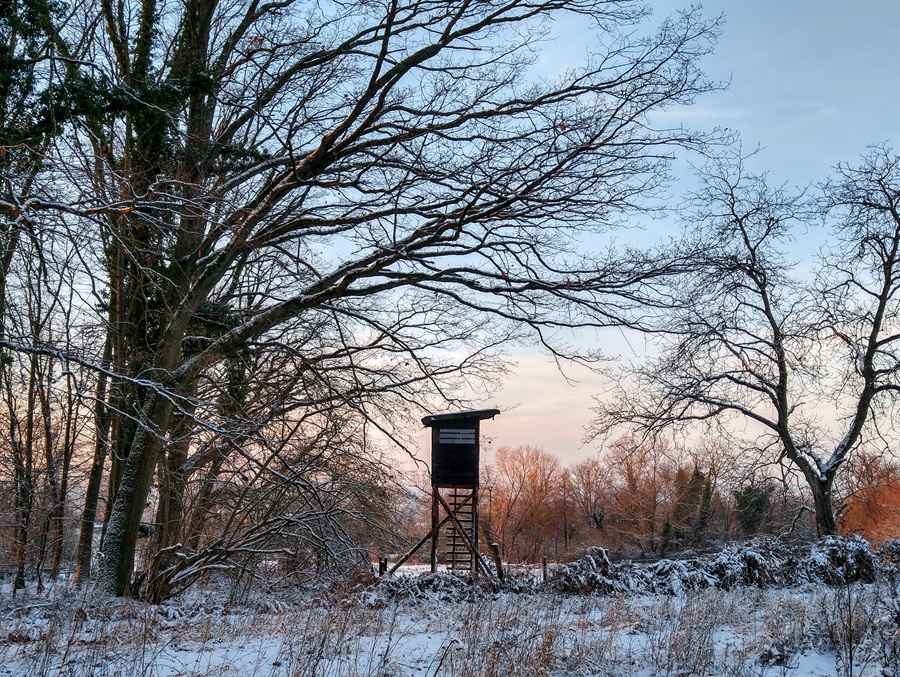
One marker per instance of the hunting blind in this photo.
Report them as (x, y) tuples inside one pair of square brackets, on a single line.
[(455, 457)]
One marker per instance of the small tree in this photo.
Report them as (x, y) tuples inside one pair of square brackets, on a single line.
[(590, 482), (753, 503)]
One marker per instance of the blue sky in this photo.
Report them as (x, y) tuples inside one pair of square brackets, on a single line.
[(813, 82)]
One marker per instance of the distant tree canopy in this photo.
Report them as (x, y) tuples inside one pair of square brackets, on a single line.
[(637, 499), (265, 230)]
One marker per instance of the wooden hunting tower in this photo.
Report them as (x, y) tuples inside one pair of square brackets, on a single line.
[(454, 489)]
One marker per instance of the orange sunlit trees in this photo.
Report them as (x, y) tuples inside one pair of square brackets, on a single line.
[(651, 497), (589, 483), (523, 509), (635, 505), (873, 507)]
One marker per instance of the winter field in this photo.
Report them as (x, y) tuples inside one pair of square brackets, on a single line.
[(748, 611)]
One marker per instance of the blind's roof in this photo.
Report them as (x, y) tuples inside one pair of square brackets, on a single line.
[(468, 415)]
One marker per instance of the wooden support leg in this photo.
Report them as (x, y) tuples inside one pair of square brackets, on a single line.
[(435, 529), (475, 530)]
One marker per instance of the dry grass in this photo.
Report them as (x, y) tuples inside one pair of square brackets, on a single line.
[(854, 629)]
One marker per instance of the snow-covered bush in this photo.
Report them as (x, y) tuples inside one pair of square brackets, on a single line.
[(674, 577), (590, 574), (760, 562), (441, 586), (838, 560), (889, 555)]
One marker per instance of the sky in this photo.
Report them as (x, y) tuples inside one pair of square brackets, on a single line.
[(812, 83)]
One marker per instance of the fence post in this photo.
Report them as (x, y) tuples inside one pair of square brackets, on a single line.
[(497, 561)]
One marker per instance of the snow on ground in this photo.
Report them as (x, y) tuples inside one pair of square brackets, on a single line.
[(439, 625)]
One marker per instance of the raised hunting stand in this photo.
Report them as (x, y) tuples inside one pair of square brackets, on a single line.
[(454, 489)]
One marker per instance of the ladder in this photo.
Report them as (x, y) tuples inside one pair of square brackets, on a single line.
[(462, 503)]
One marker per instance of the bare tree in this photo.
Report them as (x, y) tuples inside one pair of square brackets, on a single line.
[(808, 366), (352, 191), (589, 480), (40, 416)]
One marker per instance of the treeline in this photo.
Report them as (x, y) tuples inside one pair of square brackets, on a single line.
[(657, 499), (301, 504)]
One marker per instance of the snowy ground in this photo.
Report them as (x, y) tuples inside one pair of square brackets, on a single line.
[(754, 608), (806, 630)]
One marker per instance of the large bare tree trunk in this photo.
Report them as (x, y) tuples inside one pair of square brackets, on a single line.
[(131, 499), (826, 524), (51, 472), (170, 508), (72, 415)]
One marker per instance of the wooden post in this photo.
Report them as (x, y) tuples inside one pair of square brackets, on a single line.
[(544, 566), (474, 567), (435, 529), (496, 548)]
